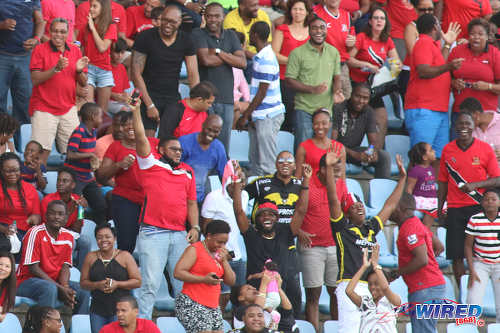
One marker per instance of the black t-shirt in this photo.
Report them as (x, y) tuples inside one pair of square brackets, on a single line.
[(350, 240), (170, 123), (221, 76), (281, 249), (271, 189), (163, 63), (352, 130)]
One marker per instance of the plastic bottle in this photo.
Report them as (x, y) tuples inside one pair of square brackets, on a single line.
[(368, 152), (80, 212), (14, 226)]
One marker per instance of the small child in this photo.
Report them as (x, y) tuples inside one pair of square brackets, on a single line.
[(155, 16), (119, 96), (32, 170), (273, 298), (422, 181), (377, 310)]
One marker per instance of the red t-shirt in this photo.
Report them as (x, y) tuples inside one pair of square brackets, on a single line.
[(52, 9), (51, 254), (137, 21), (413, 234), (204, 294), (317, 218), (463, 11), (166, 191), (314, 153), (121, 79), (288, 45), (142, 326), (96, 58), (16, 212), (191, 121), (374, 52), (56, 95), (485, 67), (117, 12), (476, 164), (400, 13), (265, 3), (56, 196), (338, 28), (349, 5), (419, 96), (127, 181)]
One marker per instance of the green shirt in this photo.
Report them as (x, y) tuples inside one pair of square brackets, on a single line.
[(312, 67)]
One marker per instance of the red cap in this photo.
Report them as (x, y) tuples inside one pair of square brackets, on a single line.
[(349, 200), (267, 206)]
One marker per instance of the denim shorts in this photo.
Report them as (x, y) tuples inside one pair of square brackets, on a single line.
[(428, 126), (99, 77)]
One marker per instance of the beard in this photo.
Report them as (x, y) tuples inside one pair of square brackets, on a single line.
[(261, 230), (169, 161)]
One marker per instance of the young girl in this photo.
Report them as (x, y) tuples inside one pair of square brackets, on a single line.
[(273, 298), (422, 181), (96, 41), (377, 311)]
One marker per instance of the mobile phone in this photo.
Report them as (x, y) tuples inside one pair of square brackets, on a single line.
[(231, 253), (468, 85), (215, 276), (135, 97)]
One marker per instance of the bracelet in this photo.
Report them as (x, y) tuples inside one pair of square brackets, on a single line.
[(490, 86), (151, 106), (37, 39), (262, 295), (304, 187), (55, 70)]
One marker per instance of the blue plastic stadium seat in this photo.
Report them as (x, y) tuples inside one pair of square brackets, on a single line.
[(466, 328), (74, 274), (380, 190), (55, 158), (399, 287), (170, 325), (88, 229), (164, 302), (441, 259), (331, 326), (386, 258), (184, 90), (51, 182), (10, 324), (397, 144), (488, 304), (80, 323), (449, 292), (324, 299), (395, 116), (215, 182), (305, 326), (352, 169), (285, 141), (238, 149), (183, 74), (354, 187), (494, 328)]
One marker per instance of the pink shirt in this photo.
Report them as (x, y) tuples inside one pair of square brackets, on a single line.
[(59, 8), (492, 133), (240, 86), (102, 145)]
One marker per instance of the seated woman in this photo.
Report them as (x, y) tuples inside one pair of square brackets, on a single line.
[(109, 274), (42, 319), (7, 284), (202, 267), (8, 126)]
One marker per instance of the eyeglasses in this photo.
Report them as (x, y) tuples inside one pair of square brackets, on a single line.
[(426, 10), (286, 160), (175, 149), (16, 170), (381, 18)]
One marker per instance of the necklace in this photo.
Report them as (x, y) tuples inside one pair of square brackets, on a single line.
[(268, 237), (211, 255), (106, 261)]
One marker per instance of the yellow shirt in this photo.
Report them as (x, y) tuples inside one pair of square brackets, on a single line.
[(234, 21)]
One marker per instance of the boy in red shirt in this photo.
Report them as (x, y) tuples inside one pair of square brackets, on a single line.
[(119, 95)]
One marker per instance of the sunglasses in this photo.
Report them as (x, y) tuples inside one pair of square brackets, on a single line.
[(286, 160), (426, 10)]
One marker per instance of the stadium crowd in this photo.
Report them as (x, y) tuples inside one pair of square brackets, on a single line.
[(101, 83)]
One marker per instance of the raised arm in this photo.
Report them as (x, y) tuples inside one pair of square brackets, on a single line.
[(393, 200), (333, 201), (302, 203), (142, 146), (241, 216), (349, 290), (382, 280)]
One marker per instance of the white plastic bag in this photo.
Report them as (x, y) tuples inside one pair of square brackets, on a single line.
[(15, 244)]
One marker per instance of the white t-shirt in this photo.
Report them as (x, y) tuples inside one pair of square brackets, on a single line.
[(219, 206), (377, 318)]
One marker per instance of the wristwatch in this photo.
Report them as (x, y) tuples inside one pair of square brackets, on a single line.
[(378, 267), (217, 51), (196, 227)]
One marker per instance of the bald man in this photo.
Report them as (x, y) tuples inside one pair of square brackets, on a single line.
[(204, 153), (157, 57)]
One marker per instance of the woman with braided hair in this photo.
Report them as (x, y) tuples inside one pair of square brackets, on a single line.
[(8, 125), (42, 319)]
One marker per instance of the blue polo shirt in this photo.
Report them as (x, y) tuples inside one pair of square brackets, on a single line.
[(203, 162), (82, 141), (11, 42)]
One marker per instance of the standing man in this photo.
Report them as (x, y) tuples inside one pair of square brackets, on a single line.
[(352, 120), (21, 27), (204, 153), (313, 71), (266, 109), (157, 57), (218, 51), (468, 166), (340, 34), (169, 201), (426, 114), (55, 66), (417, 262)]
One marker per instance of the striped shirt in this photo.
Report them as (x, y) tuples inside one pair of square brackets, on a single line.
[(266, 70), (82, 141), (486, 237), (29, 175)]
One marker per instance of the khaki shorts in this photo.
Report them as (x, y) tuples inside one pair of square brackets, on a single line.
[(345, 79), (319, 266), (45, 128)]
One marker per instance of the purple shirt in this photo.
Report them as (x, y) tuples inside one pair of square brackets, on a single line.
[(426, 181)]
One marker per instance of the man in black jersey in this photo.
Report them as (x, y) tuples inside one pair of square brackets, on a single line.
[(352, 233)]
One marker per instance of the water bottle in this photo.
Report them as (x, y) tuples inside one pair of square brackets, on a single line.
[(368, 152), (80, 212), (13, 226)]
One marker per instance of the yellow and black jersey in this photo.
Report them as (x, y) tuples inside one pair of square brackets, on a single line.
[(350, 240), (271, 189)]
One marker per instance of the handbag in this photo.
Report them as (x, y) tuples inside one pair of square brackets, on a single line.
[(382, 83)]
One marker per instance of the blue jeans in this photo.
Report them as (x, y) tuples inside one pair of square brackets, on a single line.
[(92, 192), (97, 322), (126, 216), (82, 247), (155, 252), (303, 128), (433, 293), (428, 126), (15, 75), (240, 270), (226, 112), (45, 293)]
